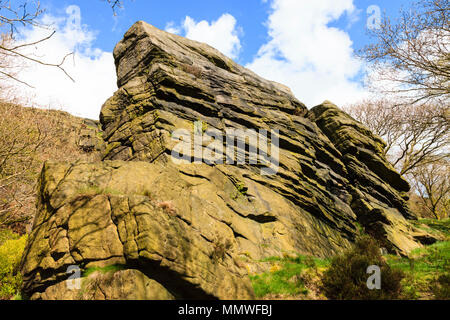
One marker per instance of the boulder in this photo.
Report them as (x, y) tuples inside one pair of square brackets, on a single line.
[(89, 136), (184, 230), (114, 213), (379, 193)]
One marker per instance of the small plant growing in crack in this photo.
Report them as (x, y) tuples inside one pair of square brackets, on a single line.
[(220, 248), (241, 189), (147, 194)]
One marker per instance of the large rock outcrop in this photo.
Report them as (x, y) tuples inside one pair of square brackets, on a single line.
[(193, 230)]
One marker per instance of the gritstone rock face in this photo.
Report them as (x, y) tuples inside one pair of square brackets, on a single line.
[(179, 231)]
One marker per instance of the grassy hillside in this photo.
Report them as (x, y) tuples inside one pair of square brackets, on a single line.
[(426, 271), (28, 137)]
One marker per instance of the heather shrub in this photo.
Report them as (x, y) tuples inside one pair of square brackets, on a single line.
[(346, 279)]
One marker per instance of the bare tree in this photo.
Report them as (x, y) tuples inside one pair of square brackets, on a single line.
[(415, 135), (23, 15), (409, 63), (28, 137), (410, 57), (12, 52), (380, 119), (20, 138), (417, 144), (425, 137), (7, 66), (115, 4), (433, 185)]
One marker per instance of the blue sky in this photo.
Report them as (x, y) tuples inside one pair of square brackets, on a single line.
[(251, 16), (305, 44)]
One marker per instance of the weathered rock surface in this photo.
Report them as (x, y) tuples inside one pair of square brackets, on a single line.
[(378, 192), (119, 213), (193, 230), (89, 137)]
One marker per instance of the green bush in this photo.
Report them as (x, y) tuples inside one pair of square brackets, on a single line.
[(7, 234), (10, 254), (441, 287), (346, 279)]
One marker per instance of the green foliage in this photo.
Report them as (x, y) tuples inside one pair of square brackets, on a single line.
[(441, 287), (434, 258), (435, 226), (7, 234), (108, 269), (346, 279), (10, 254), (241, 189), (425, 274), (427, 270), (361, 230), (18, 297), (284, 277)]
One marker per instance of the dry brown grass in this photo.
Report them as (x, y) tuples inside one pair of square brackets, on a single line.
[(28, 137), (194, 70), (168, 208)]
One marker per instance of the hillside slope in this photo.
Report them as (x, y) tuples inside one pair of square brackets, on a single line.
[(28, 138)]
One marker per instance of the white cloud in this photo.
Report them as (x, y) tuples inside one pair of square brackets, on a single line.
[(316, 61), (92, 69), (172, 28), (222, 34)]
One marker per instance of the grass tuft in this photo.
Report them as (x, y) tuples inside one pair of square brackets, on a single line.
[(108, 269), (285, 275)]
